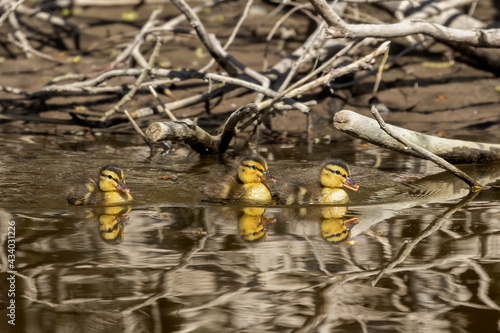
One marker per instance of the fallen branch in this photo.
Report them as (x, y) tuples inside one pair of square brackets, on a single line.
[(453, 151), (340, 29), (425, 153), (188, 132), (204, 38)]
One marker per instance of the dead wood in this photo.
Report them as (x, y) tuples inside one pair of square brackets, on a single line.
[(453, 151), (340, 29), (199, 140), (424, 153), (445, 13)]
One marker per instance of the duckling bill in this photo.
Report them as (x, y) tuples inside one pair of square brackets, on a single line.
[(334, 176), (109, 189), (244, 183)]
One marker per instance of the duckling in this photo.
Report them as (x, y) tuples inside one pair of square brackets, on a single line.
[(328, 189), (110, 189), (245, 183)]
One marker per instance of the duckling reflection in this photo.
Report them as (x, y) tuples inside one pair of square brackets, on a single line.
[(328, 223), (111, 222), (336, 230), (252, 225)]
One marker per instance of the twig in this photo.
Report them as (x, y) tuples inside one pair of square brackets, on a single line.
[(138, 129), (328, 14), (318, 70), (145, 71), (263, 80), (23, 44), (138, 40), (230, 125), (355, 66), (202, 34), (273, 31), (162, 105), (426, 154), (11, 7), (233, 34), (378, 78), (52, 19)]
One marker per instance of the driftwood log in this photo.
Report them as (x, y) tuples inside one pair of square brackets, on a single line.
[(453, 151), (188, 132)]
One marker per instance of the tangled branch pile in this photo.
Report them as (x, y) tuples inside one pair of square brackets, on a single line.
[(95, 91)]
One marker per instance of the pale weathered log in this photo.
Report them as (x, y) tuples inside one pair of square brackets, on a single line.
[(424, 153), (454, 151)]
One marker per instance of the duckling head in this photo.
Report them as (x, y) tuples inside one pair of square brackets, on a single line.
[(335, 173), (111, 179), (253, 169)]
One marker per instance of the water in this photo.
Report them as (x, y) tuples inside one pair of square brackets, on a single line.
[(422, 258)]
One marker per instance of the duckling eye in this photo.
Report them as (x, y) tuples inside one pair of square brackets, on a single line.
[(110, 177), (254, 167), (337, 172)]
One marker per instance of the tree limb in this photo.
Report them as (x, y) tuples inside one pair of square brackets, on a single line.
[(454, 151), (340, 29), (188, 132), (425, 153)]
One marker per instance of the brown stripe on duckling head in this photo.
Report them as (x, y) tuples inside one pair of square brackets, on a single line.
[(338, 162), (258, 163), (113, 173)]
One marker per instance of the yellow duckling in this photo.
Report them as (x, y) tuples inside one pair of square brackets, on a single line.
[(246, 183), (329, 189), (110, 189)]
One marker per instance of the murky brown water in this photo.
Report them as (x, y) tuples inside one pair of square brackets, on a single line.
[(422, 258)]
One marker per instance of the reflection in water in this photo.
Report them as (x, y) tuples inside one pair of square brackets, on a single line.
[(335, 230), (329, 221), (252, 225), (164, 276), (111, 222)]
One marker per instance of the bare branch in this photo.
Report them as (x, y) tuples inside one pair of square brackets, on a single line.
[(454, 151), (425, 153), (202, 34), (188, 132), (474, 37), (340, 29)]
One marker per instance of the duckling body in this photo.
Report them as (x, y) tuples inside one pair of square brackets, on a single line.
[(245, 183), (109, 189), (328, 189)]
